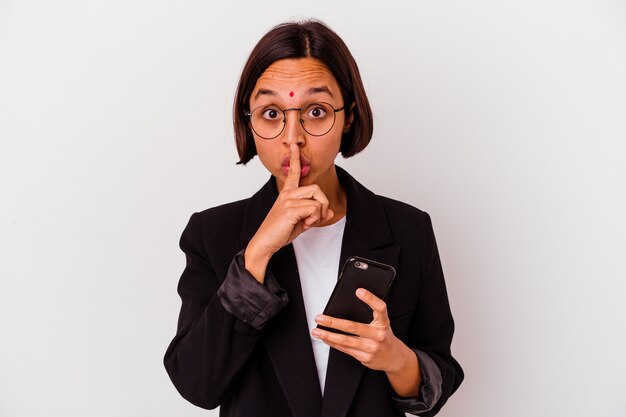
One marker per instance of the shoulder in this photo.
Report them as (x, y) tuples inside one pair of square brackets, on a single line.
[(223, 212), (365, 199), (401, 212), (399, 208), (406, 222), (227, 226), (214, 232), (400, 217), (217, 219)]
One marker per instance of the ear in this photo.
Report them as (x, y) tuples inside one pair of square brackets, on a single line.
[(347, 124)]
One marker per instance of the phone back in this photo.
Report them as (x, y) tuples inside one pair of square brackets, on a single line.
[(357, 273)]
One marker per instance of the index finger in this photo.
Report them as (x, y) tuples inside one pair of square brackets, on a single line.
[(293, 177), (376, 304)]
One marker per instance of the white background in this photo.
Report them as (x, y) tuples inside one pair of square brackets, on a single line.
[(505, 120)]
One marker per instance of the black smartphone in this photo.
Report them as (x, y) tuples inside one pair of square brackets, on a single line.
[(356, 273)]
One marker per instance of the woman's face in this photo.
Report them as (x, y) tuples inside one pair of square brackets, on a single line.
[(297, 83)]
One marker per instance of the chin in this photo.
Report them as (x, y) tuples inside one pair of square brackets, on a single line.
[(308, 180)]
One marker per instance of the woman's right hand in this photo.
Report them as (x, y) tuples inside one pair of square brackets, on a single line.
[(295, 210)]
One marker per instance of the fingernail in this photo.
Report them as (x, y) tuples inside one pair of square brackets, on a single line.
[(360, 292), (316, 333), (318, 318)]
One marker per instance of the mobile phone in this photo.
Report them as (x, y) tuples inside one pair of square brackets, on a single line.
[(356, 273)]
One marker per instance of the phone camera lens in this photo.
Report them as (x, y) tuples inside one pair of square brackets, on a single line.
[(360, 265)]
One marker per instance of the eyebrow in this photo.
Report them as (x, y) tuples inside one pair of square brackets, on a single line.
[(264, 91), (309, 92), (318, 90)]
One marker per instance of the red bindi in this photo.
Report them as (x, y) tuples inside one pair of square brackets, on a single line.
[(291, 94)]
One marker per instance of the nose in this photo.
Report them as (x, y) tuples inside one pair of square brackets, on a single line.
[(294, 132)]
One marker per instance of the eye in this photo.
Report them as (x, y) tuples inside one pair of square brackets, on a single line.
[(271, 114), (316, 111)]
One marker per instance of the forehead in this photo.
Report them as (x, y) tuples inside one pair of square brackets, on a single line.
[(296, 75)]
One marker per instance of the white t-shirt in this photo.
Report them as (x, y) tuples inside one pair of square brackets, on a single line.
[(318, 251)]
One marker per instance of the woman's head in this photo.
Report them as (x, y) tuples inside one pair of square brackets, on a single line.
[(315, 42)]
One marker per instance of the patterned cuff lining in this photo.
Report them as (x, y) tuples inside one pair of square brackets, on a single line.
[(430, 389), (247, 299)]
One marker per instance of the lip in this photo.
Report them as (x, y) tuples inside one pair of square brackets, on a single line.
[(305, 167), (303, 160)]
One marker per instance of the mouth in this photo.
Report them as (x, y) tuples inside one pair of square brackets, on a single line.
[(305, 165)]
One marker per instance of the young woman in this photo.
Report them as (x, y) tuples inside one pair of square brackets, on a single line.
[(260, 271)]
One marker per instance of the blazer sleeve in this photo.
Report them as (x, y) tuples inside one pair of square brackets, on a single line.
[(432, 327), (219, 323)]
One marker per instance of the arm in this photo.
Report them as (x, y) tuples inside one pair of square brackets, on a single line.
[(422, 371), (219, 324), (432, 328)]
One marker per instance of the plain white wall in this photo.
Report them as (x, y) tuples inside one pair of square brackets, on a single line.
[(504, 120)]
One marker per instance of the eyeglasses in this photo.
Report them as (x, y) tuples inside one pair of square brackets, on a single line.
[(317, 119)]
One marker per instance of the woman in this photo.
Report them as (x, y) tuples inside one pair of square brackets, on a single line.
[(259, 271)]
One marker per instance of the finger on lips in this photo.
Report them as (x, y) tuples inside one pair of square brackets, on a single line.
[(312, 192), (293, 177)]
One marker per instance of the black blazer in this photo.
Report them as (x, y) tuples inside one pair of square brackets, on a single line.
[(216, 359)]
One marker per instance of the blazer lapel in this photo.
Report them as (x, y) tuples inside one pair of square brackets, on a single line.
[(286, 337), (288, 342), (367, 235)]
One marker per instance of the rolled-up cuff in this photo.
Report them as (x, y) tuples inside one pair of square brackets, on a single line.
[(247, 299), (430, 387)]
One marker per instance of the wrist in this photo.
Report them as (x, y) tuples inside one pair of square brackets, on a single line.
[(404, 374), (256, 261), (404, 359)]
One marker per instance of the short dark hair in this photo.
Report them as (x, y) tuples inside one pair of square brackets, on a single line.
[(308, 39)]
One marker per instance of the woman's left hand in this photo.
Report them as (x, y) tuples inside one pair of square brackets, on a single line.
[(373, 344)]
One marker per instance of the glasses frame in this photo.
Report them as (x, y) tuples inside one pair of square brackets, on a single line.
[(248, 113)]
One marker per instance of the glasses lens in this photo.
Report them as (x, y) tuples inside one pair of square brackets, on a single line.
[(267, 121), (318, 118)]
